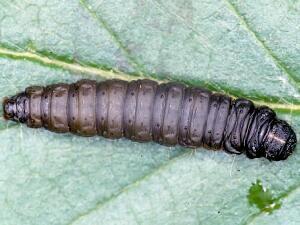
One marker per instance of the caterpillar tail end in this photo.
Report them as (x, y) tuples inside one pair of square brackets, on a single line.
[(5, 108), (9, 109), (13, 108)]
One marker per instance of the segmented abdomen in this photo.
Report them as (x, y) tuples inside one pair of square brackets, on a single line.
[(140, 110)]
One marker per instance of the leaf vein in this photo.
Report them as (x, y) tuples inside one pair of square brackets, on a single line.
[(203, 40), (292, 79), (131, 186), (114, 37)]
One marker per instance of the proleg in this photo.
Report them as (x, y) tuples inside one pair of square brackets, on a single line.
[(167, 113)]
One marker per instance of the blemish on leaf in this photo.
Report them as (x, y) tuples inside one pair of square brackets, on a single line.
[(262, 198)]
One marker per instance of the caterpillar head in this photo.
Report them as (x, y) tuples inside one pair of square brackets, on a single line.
[(280, 141), (15, 108)]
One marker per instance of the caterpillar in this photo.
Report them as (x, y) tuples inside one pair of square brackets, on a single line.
[(167, 113)]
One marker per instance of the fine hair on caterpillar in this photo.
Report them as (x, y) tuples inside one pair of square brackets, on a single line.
[(167, 113)]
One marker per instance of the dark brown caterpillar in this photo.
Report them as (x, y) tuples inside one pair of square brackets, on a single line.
[(144, 110)]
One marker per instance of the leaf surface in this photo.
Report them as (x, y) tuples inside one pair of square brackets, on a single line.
[(242, 48)]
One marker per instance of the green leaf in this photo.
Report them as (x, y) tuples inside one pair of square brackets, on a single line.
[(262, 198), (242, 48)]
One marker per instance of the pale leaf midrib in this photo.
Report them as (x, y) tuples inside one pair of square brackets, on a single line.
[(74, 67), (110, 74)]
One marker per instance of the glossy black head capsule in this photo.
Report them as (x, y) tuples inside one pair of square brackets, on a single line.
[(269, 136), (280, 141)]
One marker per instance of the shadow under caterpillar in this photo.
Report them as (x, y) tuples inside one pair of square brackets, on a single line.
[(143, 110)]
